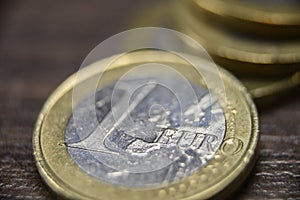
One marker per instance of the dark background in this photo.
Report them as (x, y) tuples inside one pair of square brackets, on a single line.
[(43, 42)]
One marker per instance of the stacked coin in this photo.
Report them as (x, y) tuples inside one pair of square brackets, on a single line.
[(259, 41), (256, 40)]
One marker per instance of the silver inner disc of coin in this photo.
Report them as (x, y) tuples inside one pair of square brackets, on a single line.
[(165, 141)]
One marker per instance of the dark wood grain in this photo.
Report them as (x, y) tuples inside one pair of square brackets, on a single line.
[(42, 42)]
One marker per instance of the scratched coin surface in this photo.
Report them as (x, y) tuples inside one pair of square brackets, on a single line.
[(158, 147), (150, 135)]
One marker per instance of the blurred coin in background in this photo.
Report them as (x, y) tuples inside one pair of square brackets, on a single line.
[(258, 42)]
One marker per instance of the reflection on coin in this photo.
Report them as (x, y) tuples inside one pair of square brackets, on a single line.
[(156, 135)]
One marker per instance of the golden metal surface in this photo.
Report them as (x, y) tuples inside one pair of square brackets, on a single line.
[(265, 19), (241, 54), (263, 90), (269, 91), (219, 177)]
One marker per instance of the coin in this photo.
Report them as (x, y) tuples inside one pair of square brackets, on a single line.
[(262, 89), (270, 19), (239, 53), (147, 139), (267, 92)]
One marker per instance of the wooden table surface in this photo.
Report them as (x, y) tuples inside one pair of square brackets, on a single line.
[(43, 42)]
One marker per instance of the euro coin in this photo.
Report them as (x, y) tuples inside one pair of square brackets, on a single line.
[(269, 19), (268, 92), (264, 91), (242, 54), (151, 129)]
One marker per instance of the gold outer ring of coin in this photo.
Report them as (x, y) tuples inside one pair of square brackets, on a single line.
[(229, 167), (241, 55), (250, 17), (264, 92)]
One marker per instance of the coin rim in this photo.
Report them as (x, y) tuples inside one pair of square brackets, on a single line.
[(250, 13), (263, 94), (234, 53), (248, 156)]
